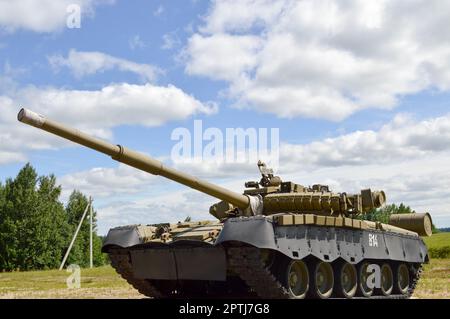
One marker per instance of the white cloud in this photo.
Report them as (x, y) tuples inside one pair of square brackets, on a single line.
[(11, 157), (88, 63), (402, 139), (173, 206), (321, 58), (96, 112), (9, 76), (106, 182), (42, 15), (222, 56), (115, 104), (136, 42), (170, 40)]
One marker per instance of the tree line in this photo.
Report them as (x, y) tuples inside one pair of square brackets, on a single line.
[(36, 227)]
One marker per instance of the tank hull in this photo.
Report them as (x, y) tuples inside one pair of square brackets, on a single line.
[(236, 263)]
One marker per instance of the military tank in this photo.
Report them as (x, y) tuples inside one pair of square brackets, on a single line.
[(278, 239)]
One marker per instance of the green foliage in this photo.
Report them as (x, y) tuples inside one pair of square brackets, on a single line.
[(441, 252), (35, 228), (438, 245), (382, 214)]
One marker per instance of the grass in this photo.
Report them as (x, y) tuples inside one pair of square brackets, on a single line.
[(435, 280), (438, 245), (103, 282), (438, 240)]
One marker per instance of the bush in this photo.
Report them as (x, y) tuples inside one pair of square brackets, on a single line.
[(440, 252)]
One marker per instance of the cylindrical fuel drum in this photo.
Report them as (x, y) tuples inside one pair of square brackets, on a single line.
[(419, 223)]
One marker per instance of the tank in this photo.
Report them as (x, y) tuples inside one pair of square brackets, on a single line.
[(278, 239)]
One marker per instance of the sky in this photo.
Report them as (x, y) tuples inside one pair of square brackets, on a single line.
[(359, 92)]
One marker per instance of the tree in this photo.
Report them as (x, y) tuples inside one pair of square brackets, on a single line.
[(20, 198), (3, 229), (382, 214), (33, 229)]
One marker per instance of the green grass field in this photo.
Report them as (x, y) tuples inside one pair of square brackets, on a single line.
[(104, 282), (438, 245), (438, 240), (101, 282)]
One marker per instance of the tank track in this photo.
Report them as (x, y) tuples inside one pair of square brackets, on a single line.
[(120, 260), (247, 264), (415, 281), (243, 261)]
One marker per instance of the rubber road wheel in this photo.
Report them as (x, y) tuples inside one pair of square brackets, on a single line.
[(346, 280)]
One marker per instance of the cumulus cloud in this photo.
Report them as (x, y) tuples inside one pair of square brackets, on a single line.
[(222, 56), (103, 182), (322, 59), (11, 157), (116, 104), (401, 139), (88, 63), (42, 15)]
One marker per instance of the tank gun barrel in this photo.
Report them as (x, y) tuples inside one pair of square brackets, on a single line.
[(132, 158)]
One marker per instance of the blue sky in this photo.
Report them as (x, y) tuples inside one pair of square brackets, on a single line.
[(361, 98)]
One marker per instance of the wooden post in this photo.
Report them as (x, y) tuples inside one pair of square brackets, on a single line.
[(75, 235)]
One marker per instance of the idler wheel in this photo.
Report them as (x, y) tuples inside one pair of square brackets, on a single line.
[(402, 279), (297, 279), (387, 280), (346, 280), (363, 289), (322, 280)]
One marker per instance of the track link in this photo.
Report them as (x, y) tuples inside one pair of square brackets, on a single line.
[(416, 277), (247, 264)]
